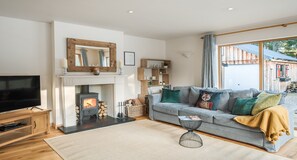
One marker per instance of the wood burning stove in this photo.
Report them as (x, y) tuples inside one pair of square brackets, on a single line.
[(87, 104)]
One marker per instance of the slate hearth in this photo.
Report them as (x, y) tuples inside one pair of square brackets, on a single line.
[(93, 123)]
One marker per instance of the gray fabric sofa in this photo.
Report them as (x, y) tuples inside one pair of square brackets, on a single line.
[(219, 122)]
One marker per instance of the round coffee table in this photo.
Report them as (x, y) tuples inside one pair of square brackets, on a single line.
[(190, 139)]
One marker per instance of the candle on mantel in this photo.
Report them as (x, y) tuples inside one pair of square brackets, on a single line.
[(120, 64), (65, 63)]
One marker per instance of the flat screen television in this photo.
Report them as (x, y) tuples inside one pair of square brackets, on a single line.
[(17, 92)]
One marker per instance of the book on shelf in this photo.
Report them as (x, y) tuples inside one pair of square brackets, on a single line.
[(185, 118)]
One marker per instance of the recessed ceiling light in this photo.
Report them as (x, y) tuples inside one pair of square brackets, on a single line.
[(230, 9), (130, 11)]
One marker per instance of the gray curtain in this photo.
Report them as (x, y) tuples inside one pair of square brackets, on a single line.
[(101, 57), (84, 57), (209, 62)]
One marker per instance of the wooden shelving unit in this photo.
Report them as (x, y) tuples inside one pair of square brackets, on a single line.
[(32, 123), (153, 72)]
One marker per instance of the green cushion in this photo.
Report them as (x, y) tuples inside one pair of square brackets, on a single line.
[(266, 100), (243, 106), (170, 96)]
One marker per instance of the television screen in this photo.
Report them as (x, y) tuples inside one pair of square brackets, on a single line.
[(18, 92)]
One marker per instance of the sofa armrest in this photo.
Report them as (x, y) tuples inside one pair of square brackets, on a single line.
[(153, 99), (290, 107)]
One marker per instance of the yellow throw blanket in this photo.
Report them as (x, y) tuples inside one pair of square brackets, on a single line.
[(271, 121)]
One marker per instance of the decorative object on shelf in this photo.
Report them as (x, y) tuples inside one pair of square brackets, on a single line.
[(96, 71), (129, 58), (65, 65)]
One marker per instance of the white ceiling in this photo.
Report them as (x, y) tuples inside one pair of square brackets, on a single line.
[(160, 19)]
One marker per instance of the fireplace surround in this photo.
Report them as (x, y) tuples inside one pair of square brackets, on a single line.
[(113, 85)]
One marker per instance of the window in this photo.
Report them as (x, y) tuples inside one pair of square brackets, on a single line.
[(282, 71), (240, 66), (268, 65)]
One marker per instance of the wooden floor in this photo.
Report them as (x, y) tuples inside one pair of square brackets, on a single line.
[(35, 148)]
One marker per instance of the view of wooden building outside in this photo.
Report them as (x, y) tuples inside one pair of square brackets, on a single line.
[(240, 65)]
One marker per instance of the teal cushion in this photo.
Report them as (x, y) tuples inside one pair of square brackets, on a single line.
[(170, 96), (243, 106)]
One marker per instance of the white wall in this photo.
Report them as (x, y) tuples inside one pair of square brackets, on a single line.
[(25, 50), (143, 48), (185, 71)]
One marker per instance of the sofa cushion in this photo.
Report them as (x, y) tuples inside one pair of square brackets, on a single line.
[(265, 100), (238, 94), (244, 106), (204, 114), (169, 108), (170, 96), (213, 100), (225, 119), (194, 95), (283, 98), (183, 94)]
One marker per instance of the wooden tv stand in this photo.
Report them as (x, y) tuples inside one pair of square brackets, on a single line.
[(31, 123)]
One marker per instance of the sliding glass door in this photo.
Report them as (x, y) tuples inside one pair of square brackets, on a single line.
[(267, 65), (240, 66), (280, 64)]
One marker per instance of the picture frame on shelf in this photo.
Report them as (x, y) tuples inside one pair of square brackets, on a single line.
[(129, 58)]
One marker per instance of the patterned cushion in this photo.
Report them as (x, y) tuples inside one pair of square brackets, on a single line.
[(212, 100)]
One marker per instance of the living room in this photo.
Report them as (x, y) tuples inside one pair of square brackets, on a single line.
[(253, 44)]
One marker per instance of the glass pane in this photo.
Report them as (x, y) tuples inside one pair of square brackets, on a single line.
[(280, 65), (240, 66)]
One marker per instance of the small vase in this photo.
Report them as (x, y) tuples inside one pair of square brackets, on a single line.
[(96, 71)]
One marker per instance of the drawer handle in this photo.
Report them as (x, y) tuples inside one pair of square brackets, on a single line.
[(34, 124)]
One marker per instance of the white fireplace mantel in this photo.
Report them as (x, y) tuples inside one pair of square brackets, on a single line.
[(68, 93)]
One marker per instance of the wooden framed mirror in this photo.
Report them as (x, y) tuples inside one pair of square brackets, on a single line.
[(84, 55)]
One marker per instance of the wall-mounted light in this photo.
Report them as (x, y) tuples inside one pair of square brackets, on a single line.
[(187, 54)]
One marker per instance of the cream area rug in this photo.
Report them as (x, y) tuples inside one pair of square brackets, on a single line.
[(147, 140)]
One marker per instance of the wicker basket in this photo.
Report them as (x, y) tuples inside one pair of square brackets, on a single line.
[(135, 111)]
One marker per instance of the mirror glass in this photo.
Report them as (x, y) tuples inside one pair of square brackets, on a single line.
[(89, 56)]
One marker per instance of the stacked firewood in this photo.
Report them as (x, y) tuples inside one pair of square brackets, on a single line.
[(77, 110), (102, 109)]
